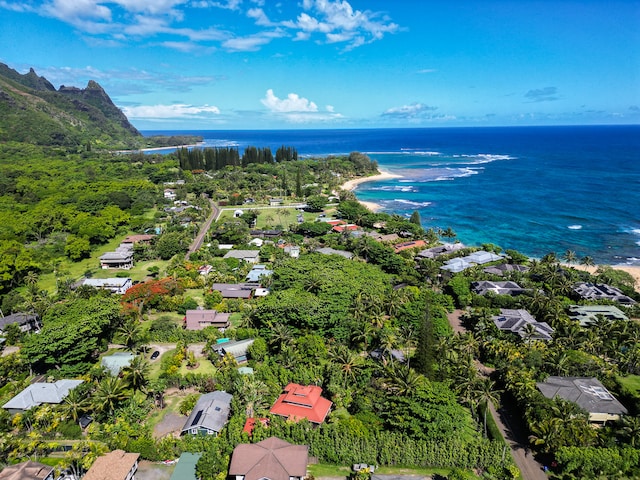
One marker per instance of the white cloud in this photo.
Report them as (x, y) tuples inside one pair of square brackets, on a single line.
[(427, 70), (250, 43), (75, 10), (176, 110), (293, 103), (259, 16), (341, 23), (297, 109), (412, 110)]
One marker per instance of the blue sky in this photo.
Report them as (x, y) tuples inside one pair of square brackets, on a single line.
[(260, 64)]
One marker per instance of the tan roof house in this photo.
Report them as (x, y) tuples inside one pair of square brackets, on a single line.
[(200, 318), (116, 465), (272, 459), (27, 471)]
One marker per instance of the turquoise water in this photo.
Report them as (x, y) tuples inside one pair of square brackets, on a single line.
[(533, 189)]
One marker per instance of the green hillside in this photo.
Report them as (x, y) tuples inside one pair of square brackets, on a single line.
[(33, 111)]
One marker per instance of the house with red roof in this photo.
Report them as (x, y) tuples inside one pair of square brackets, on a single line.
[(399, 247), (350, 227), (251, 422), (302, 401)]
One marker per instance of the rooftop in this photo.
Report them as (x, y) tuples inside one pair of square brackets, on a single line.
[(298, 402), (271, 458)]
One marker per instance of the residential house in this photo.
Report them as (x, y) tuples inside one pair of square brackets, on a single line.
[(114, 285), (235, 290), (460, 264), (387, 238), (28, 322), (587, 314), (257, 273), (136, 239), (275, 202), (333, 251), (169, 193), (399, 247), (499, 288), (210, 414), (38, 393), (121, 258), (27, 471), (588, 393), (349, 227), (116, 362), (115, 465), (435, 252), (503, 268), (602, 291), (201, 318), (265, 233), (299, 402), (186, 467), (522, 323), (251, 256), (272, 459), (292, 250), (205, 269), (238, 349)]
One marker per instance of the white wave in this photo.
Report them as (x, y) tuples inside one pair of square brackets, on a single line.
[(410, 203), (395, 188), (222, 143), (636, 231), (574, 227), (638, 243)]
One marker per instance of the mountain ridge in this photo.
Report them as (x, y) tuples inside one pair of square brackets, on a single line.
[(33, 111)]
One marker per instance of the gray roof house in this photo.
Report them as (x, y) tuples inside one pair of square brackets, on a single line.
[(122, 257), (251, 256), (26, 321), (116, 362), (588, 393), (438, 250), (587, 314), (271, 458), (503, 268), (114, 285), (237, 348), (499, 288), (38, 393), (235, 290), (460, 264), (210, 414), (516, 321), (602, 291)]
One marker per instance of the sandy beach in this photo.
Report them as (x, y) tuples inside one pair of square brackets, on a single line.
[(350, 185), (634, 271)]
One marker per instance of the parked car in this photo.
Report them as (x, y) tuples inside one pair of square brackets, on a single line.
[(155, 355)]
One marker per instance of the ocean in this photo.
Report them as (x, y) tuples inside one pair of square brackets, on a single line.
[(533, 189)]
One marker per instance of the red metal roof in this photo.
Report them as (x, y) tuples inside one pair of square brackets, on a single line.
[(298, 402)]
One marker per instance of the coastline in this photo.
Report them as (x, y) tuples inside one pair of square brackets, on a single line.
[(351, 185), (632, 270)]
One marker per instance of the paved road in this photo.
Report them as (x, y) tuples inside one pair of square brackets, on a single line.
[(197, 242), (515, 437)]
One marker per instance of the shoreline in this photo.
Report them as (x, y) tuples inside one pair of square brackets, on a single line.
[(351, 185), (633, 270)]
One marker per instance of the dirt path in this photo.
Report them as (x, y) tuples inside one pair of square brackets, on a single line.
[(515, 437), (197, 242)]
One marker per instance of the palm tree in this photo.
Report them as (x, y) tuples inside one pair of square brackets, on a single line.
[(74, 404), (130, 333), (252, 392), (485, 394), (630, 429), (137, 374), (546, 433), (587, 261), (110, 393), (279, 335), (401, 379), (347, 361), (570, 256)]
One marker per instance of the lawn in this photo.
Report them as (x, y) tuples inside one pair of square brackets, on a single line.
[(631, 383), (205, 367), (337, 471), (269, 217)]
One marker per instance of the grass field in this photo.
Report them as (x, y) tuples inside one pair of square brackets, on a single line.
[(270, 217), (338, 471), (631, 383)]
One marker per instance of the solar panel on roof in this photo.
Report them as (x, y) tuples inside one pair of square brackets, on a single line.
[(197, 418)]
